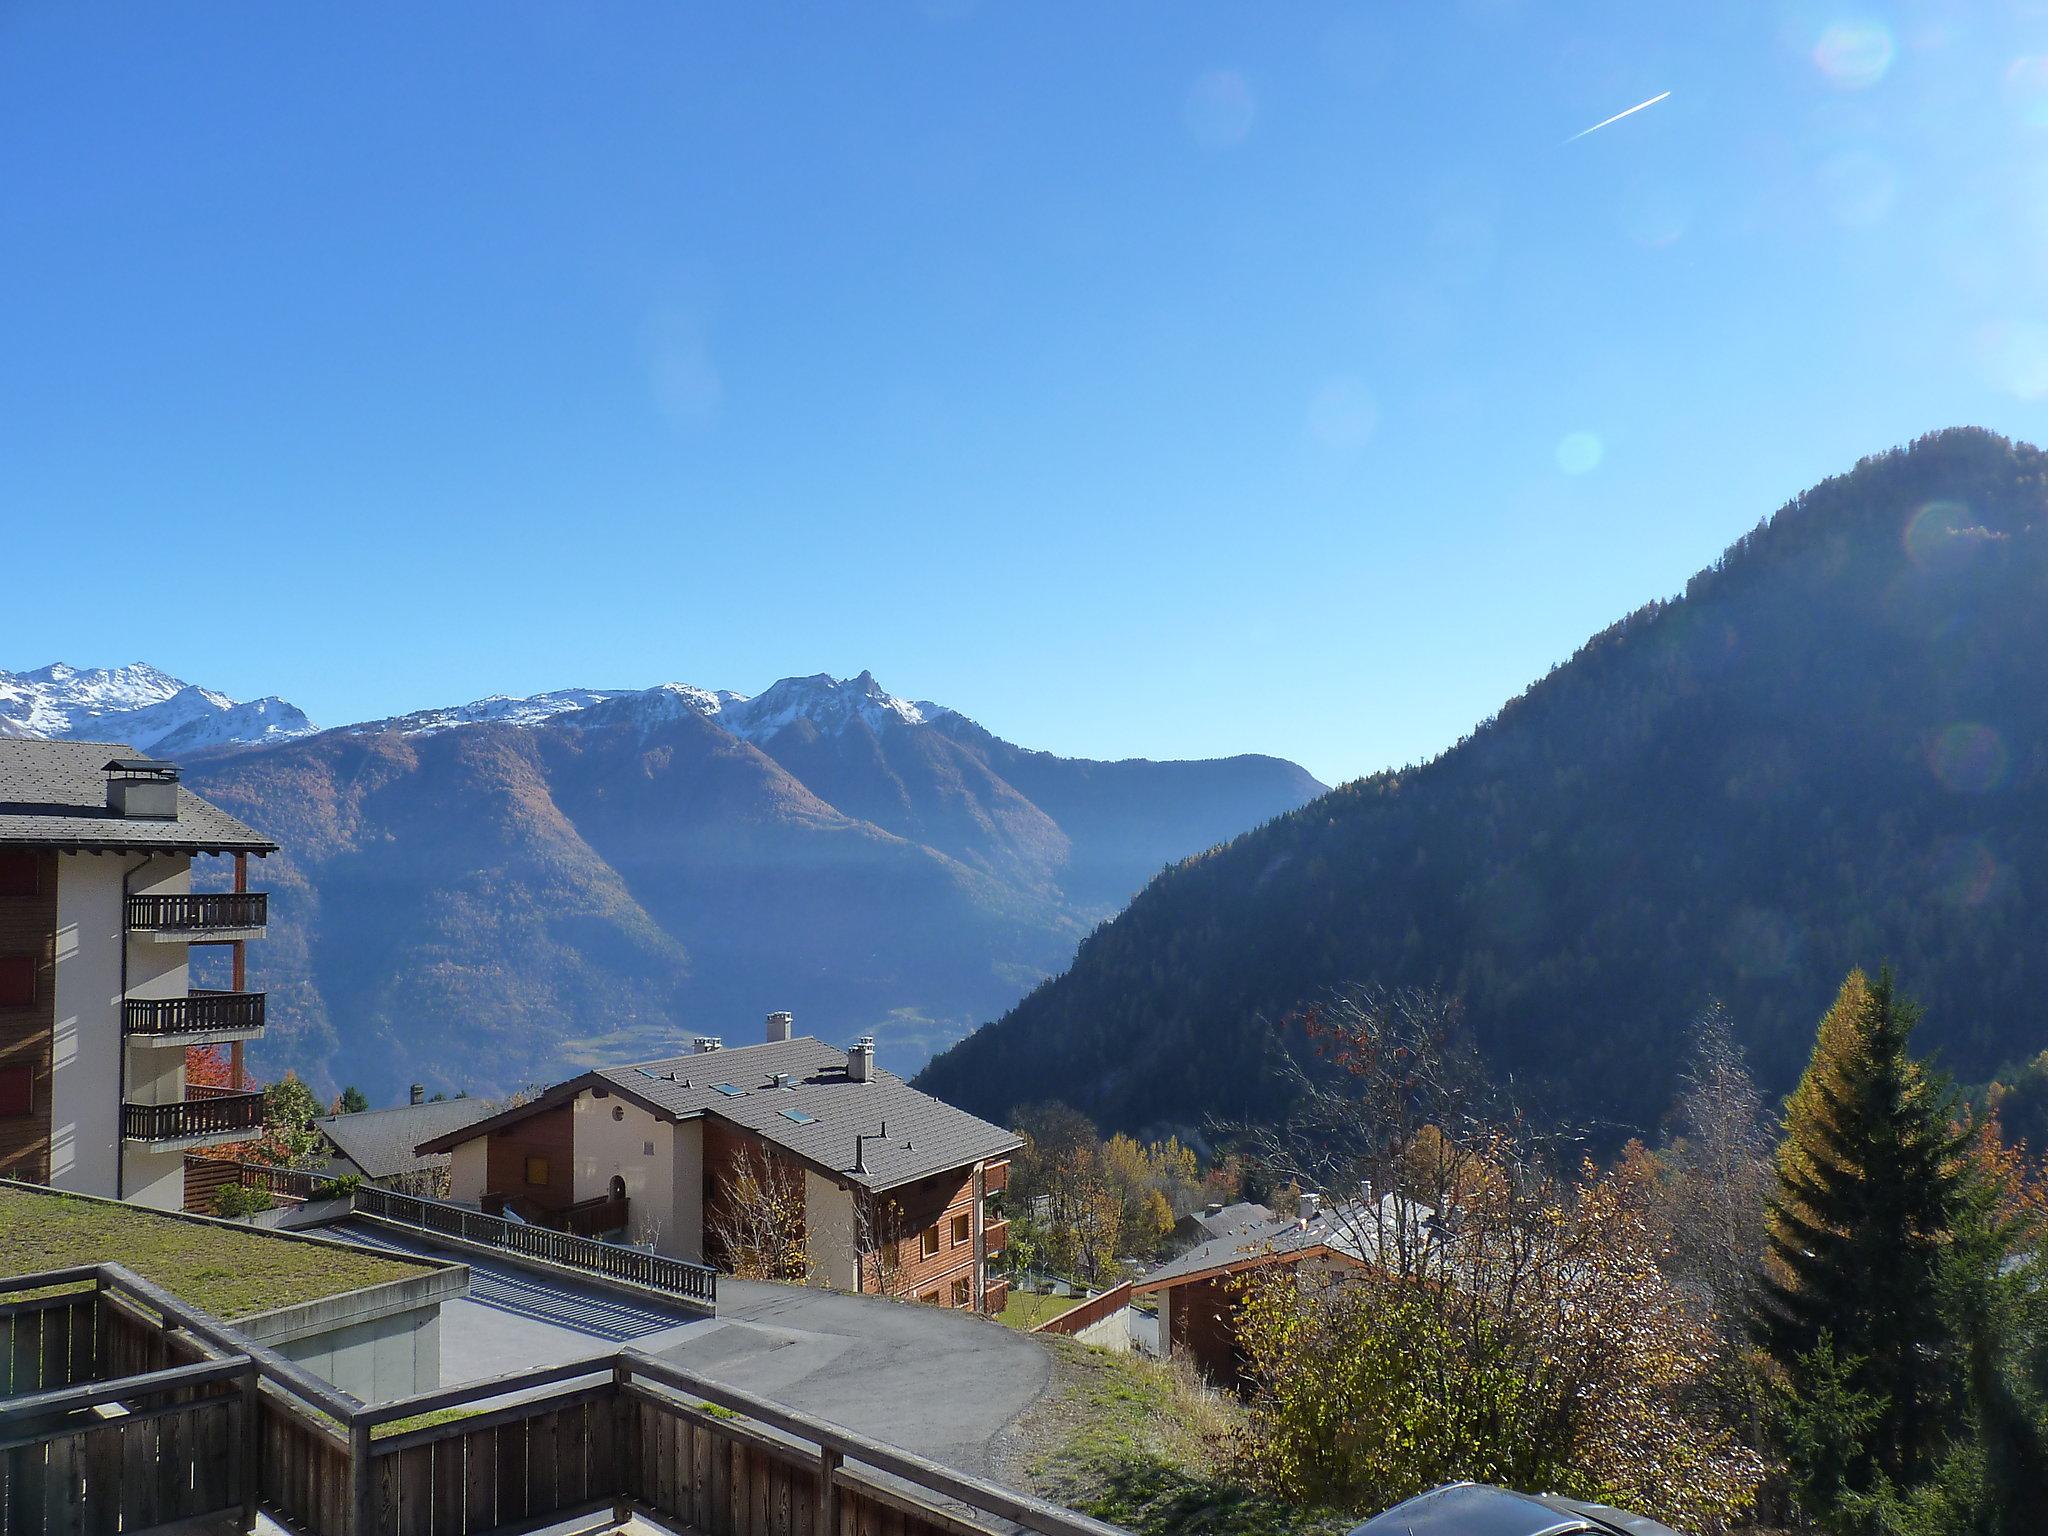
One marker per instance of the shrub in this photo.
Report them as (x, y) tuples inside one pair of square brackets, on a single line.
[(237, 1202), (338, 1188)]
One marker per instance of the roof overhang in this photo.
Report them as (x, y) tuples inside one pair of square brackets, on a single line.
[(1244, 1265)]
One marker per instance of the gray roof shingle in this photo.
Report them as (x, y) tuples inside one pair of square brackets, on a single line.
[(816, 1116), (53, 794), (381, 1141)]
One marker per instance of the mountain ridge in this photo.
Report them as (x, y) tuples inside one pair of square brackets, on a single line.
[(1827, 751)]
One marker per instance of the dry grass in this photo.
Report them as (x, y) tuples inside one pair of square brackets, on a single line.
[(230, 1271), (1025, 1310), (1148, 1446)]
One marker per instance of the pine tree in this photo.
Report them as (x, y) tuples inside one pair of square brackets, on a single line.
[(1870, 1183)]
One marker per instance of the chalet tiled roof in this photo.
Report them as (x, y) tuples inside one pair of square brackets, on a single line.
[(1347, 1230), (816, 1116), (53, 794), (381, 1141)]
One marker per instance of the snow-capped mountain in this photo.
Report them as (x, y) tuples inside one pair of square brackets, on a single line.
[(141, 705), (828, 703)]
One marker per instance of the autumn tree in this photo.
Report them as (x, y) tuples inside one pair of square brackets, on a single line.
[(756, 1222), (1869, 1187), (1502, 1321)]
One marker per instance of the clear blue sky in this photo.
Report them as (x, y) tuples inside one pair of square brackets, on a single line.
[(1153, 378)]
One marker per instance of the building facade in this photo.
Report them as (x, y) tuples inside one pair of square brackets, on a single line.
[(98, 922), (888, 1189)]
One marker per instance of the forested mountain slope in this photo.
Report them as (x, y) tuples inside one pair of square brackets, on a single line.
[(1833, 749)]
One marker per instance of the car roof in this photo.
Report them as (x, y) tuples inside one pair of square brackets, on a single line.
[(1475, 1509)]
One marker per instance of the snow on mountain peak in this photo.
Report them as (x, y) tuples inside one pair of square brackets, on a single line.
[(138, 704), (829, 704)]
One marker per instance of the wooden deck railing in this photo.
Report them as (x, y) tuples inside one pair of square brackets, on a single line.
[(227, 1423), (590, 1218), (202, 1112), (197, 1012), (219, 909), (690, 1282)]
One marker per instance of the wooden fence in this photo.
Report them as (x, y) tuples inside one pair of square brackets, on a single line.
[(1089, 1313), (217, 1423)]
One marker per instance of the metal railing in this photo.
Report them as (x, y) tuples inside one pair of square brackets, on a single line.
[(202, 1112), (195, 1013), (678, 1277), (198, 913)]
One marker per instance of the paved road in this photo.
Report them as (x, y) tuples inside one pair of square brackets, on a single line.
[(944, 1384)]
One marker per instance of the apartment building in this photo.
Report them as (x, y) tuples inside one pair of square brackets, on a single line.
[(893, 1186), (98, 921)]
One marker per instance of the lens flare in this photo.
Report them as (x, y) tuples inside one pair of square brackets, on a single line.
[(2026, 89), (1931, 533), (1219, 109), (1580, 453), (1964, 871), (1858, 188), (1968, 758), (1854, 54)]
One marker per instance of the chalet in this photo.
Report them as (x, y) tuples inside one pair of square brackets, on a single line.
[(892, 1186), (379, 1146), (1199, 1291), (98, 921)]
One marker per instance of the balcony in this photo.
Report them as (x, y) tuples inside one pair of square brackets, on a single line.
[(202, 1117), (217, 918), (995, 1237), (198, 1018)]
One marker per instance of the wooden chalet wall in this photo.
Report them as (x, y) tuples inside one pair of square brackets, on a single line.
[(549, 1134)]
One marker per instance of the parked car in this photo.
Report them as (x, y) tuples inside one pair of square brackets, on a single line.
[(1474, 1509)]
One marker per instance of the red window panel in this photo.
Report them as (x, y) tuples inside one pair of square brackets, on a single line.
[(17, 981), (18, 875), (17, 1091)]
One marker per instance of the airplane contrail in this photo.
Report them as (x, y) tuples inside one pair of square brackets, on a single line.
[(1616, 118)]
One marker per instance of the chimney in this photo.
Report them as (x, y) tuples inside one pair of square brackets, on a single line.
[(1311, 1206), (706, 1044), (780, 1026), (419, 1093), (142, 789), (860, 1061)]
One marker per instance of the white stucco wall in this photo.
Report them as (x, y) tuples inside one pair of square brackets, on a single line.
[(687, 1187), (613, 1138), (829, 1228), (468, 1170), (87, 1087)]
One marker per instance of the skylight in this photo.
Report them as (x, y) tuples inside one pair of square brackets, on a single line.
[(729, 1090), (798, 1117)]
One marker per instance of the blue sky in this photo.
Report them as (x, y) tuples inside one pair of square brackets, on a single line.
[(1168, 379)]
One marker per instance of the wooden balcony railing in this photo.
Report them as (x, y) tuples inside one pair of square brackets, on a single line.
[(195, 1013), (593, 1218), (202, 1112), (678, 1277), (198, 913), (995, 1237)]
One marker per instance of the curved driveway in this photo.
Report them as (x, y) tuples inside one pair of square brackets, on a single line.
[(944, 1384)]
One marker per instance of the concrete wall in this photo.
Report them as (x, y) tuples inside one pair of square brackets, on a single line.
[(829, 1226), (469, 1170), (378, 1360), (617, 1139)]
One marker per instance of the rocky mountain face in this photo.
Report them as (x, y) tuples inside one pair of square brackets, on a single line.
[(141, 706), (496, 894), (1831, 751)]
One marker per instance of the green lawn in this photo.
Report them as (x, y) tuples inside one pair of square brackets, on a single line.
[(1144, 1446), (230, 1271), (1026, 1311)]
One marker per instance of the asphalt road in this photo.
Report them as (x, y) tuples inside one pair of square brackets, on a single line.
[(941, 1383), (944, 1384)]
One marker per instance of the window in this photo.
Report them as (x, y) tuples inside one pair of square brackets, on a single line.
[(931, 1298), (928, 1243), (537, 1172), (963, 1292), (963, 1228), (17, 1091), (18, 875), (17, 981)]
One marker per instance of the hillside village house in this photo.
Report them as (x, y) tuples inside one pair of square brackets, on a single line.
[(895, 1184), (98, 920), (379, 1146)]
